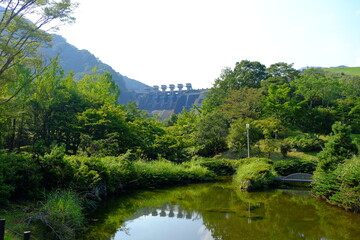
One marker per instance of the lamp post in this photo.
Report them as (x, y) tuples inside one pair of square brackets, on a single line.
[(248, 141)]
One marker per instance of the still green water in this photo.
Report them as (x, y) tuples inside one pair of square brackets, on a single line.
[(219, 211)]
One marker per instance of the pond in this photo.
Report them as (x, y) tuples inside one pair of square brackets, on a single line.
[(218, 211)]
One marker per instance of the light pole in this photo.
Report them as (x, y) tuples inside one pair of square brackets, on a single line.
[(248, 141)]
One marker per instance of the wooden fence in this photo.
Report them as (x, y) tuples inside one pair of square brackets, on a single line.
[(2, 231)]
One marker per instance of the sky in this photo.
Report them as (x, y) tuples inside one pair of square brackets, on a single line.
[(190, 41)]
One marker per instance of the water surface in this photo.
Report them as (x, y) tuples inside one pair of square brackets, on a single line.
[(218, 211)]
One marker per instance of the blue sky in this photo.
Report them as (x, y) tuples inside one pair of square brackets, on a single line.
[(172, 41)]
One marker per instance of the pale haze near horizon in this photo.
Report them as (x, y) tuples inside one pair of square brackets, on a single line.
[(169, 42)]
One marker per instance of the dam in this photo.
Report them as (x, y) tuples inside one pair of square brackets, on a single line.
[(168, 99)]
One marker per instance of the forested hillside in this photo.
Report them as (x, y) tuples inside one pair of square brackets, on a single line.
[(82, 62)]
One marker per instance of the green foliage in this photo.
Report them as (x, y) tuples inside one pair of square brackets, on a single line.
[(337, 177), (348, 112), (237, 139), (106, 131), (245, 74), (282, 70), (146, 138), (305, 143), (286, 167), (163, 172), (338, 148), (254, 175), (61, 215), (271, 127), (21, 39), (221, 167), (100, 176), (99, 89), (243, 103), (268, 146), (20, 177), (340, 187), (211, 133), (280, 103), (348, 178)]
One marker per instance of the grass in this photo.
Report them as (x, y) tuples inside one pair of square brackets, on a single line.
[(15, 217), (355, 71), (254, 175)]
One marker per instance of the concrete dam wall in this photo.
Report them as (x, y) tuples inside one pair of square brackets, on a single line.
[(164, 103)]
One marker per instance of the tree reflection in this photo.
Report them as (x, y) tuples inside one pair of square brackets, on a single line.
[(232, 214)]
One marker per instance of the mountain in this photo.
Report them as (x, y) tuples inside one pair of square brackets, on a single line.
[(304, 68), (134, 85), (82, 62)]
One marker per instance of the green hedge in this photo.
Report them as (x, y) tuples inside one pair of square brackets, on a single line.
[(340, 187), (255, 174), (286, 167), (221, 167), (157, 173), (306, 143)]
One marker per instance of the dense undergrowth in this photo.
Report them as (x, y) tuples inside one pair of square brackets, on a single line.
[(70, 186), (64, 188)]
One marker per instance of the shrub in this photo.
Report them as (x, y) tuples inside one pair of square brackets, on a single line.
[(61, 215), (340, 187), (20, 176), (286, 167), (306, 143), (254, 175), (220, 167), (339, 147), (163, 172), (100, 176)]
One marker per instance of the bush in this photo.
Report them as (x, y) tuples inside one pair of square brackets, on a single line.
[(286, 167), (339, 147), (20, 177), (61, 215), (254, 175), (163, 172), (100, 176), (340, 187), (220, 167), (306, 143)]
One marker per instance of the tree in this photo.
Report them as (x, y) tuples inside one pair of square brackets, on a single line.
[(99, 89), (243, 103), (281, 103), (317, 88), (237, 139), (338, 148), (210, 134), (245, 74), (143, 136), (270, 127), (104, 129), (337, 172), (21, 39), (133, 112), (183, 131), (279, 74), (283, 70)]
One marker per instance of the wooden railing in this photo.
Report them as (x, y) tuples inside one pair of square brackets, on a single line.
[(2, 231)]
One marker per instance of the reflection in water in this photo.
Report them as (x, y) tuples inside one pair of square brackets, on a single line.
[(152, 223), (217, 211)]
